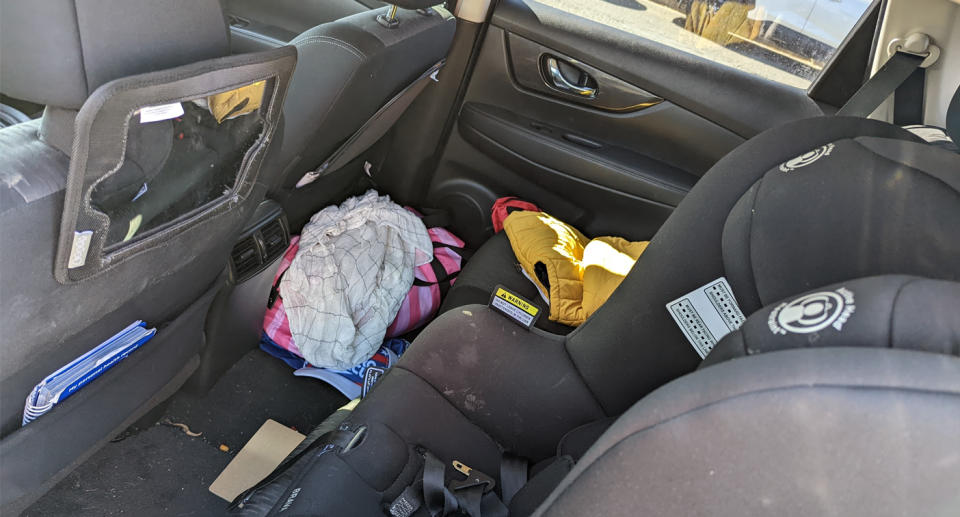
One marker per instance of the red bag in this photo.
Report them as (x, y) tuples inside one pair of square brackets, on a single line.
[(506, 206)]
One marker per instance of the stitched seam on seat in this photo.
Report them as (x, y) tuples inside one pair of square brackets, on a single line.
[(313, 40), (893, 310), (753, 213), (583, 380)]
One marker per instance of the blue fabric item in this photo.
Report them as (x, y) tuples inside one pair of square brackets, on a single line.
[(353, 383), (292, 360)]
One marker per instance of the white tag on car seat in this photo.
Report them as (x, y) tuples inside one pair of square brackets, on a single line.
[(162, 112), (79, 249), (707, 314)]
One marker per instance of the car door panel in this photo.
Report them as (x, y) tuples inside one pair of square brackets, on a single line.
[(606, 171), (528, 63), (501, 134), (734, 99)]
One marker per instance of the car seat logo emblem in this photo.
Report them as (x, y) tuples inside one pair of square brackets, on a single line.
[(807, 158), (813, 312)]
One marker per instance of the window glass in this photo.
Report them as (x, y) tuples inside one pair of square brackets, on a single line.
[(788, 41), (178, 158)]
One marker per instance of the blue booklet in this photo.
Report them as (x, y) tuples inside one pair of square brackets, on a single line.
[(59, 385)]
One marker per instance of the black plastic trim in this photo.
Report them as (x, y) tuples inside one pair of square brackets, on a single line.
[(527, 63), (267, 213), (493, 129)]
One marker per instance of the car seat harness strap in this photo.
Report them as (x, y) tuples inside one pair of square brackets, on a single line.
[(473, 494)]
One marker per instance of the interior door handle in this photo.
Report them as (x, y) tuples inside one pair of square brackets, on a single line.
[(558, 81)]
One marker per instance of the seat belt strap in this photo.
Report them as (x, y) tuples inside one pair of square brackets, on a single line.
[(953, 118), (374, 128), (438, 500), (513, 476), (888, 79), (473, 496), (908, 99)]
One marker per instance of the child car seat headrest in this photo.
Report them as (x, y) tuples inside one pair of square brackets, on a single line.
[(867, 205), (890, 311)]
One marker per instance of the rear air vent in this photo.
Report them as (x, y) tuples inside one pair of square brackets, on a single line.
[(274, 239), (245, 258), (264, 243)]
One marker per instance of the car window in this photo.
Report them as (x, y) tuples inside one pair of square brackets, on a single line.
[(788, 41)]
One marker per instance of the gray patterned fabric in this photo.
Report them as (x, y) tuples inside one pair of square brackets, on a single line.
[(354, 268)]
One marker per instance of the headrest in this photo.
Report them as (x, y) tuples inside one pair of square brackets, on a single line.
[(57, 52), (414, 4), (851, 208), (953, 118), (891, 311)]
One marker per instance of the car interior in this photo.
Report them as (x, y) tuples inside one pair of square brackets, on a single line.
[(792, 166)]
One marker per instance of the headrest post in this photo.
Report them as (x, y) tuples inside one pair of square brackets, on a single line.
[(389, 20)]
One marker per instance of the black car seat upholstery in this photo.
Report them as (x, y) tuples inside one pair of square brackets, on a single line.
[(256, 25), (160, 219), (858, 421), (495, 263), (348, 70), (807, 204)]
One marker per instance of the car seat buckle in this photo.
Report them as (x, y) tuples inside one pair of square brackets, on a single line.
[(474, 478)]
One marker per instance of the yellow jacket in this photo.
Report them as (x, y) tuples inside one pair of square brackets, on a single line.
[(574, 274), (236, 102)]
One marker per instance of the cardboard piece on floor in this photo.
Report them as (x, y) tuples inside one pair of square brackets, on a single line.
[(256, 460)]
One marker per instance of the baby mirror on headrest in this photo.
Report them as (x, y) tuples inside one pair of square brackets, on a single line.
[(158, 153)]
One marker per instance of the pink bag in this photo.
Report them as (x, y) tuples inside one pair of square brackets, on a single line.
[(431, 282), (275, 323)]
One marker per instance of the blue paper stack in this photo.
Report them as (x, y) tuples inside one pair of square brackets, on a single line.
[(67, 380)]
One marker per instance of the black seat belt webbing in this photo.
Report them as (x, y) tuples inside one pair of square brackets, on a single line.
[(888, 79), (513, 475), (953, 118), (438, 500), (476, 499), (908, 99)]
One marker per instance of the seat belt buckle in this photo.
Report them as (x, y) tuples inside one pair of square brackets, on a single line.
[(474, 478)]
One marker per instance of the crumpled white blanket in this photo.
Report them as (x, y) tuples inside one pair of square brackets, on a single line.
[(354, 267)]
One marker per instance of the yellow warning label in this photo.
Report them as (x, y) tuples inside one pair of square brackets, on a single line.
[(512, 299)]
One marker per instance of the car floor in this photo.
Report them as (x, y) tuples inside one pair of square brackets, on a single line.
[(161, 470)]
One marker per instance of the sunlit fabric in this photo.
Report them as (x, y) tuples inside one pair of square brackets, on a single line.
[(575, 275), (606, 261)]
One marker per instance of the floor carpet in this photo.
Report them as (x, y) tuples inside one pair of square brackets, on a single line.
[(161, 470)]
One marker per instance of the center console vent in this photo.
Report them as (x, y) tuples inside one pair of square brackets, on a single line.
[(245, 257), (275, 239), (262, 243)]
